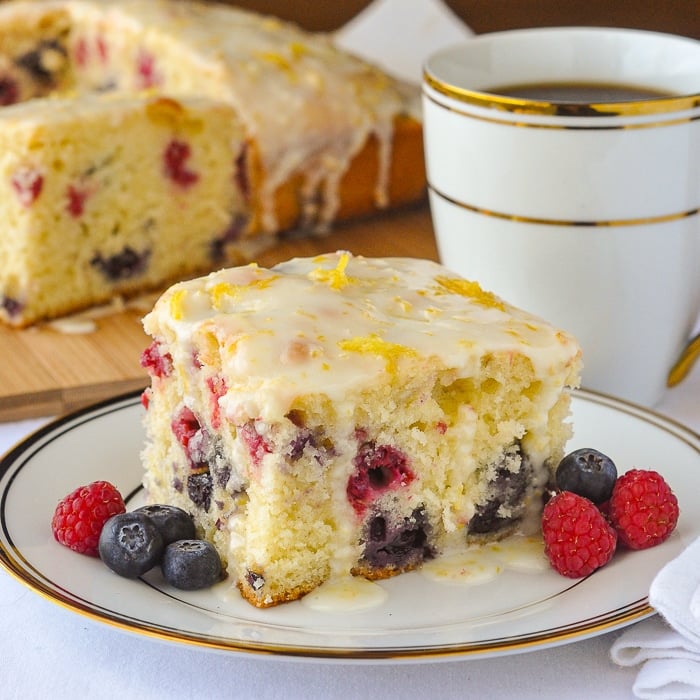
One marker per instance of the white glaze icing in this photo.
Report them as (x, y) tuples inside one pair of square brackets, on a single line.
[(480, 564), (345, 594), (335, 323)]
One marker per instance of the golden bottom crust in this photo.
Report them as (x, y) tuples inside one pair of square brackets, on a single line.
[(357, 195)]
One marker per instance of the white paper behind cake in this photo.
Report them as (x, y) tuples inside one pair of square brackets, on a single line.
[(399, 35)]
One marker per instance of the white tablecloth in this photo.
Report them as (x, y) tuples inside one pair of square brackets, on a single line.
[(49, 652)]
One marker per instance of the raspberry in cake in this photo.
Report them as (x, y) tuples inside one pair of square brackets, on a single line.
[(340, 415)]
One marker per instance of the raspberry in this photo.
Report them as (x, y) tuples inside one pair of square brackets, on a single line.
[(157, 362), (217, 388), (76, 197), (27, 184), (147, 75), (81, 52), (175, 158), (643, 509), (102, 49), (79, 516), (378, 468), (256, 443), (185, 426), (577, 537)]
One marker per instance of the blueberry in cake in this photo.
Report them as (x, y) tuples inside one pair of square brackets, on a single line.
[(343, 415), (329, 137)]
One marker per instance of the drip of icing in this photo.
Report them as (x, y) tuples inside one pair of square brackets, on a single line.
[(483, 563), (73, 326), (345, 594)]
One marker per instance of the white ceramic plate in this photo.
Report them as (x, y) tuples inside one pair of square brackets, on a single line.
[(421, 619)]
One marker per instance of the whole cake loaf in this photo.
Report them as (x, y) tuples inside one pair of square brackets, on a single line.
[(343, 415), (328, 136)]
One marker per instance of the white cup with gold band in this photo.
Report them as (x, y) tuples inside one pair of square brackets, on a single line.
[(583, 208)]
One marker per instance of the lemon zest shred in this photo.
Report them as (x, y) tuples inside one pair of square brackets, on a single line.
[(176, 304), (298, 49), (221, 291), (335, 278), (470, 290), (374, 345)]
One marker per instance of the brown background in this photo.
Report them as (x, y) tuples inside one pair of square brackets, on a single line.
[(675, 16)]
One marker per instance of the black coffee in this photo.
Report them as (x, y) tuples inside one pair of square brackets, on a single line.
[(580, 92)]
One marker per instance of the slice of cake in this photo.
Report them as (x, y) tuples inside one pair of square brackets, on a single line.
[(89, 201), (342, 415), (330, 137)]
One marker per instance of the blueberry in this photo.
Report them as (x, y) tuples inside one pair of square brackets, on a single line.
[(506, 492), (9, 91), (11, 306), (130, 544), (199, 489), (217, 247), (35, 62), (400, 546), (191, 564), (172, 522), (255, 580), (588, 473), (123, 265)]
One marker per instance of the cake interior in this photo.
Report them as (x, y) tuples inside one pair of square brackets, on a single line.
[(90, 213)]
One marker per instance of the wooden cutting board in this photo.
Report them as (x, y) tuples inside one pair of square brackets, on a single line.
[(44, 372)]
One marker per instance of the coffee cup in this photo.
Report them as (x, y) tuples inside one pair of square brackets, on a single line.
[(582, 207)]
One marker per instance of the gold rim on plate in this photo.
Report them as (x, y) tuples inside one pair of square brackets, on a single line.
[(19, 552)]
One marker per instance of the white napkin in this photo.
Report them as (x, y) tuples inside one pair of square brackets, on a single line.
[(399, 35), (668, 645)]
